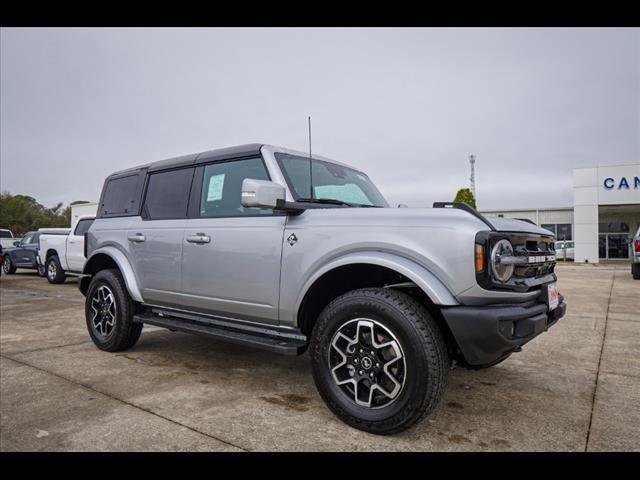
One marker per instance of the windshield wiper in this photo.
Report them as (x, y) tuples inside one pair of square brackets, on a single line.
[(330, 201)]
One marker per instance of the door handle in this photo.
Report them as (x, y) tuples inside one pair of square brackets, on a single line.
[(137, 238), (199, 238)]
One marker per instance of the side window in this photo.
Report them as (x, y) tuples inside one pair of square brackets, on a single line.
[(83, 226), (120, 196), (26, 240), (168, 194), (221, 186)]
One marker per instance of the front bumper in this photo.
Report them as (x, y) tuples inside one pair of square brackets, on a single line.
[(487, 334)]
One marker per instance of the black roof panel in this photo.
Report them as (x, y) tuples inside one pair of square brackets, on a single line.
[(238, 151)]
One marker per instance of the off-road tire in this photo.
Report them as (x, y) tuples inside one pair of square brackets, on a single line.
[(635, 270), (125, 332), (11, 269), (55, 273), (423, 345)]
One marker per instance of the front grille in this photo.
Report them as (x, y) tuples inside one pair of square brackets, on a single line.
[(540, 254)]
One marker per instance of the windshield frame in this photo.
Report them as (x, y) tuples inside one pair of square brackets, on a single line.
[(294, 193)]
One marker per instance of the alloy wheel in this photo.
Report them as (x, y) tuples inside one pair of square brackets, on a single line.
[(367, 363), (103, 311), (52, 270)]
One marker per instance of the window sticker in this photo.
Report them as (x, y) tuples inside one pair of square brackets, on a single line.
[(349, 192), (216, 182)]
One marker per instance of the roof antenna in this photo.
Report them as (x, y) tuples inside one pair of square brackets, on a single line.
[(310, 161)]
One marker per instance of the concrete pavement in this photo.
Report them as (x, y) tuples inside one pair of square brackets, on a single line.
[(575, 388)]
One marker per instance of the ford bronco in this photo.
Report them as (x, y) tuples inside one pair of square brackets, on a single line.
[(267, 247)]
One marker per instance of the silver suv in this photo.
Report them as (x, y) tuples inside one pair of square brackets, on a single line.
[(260, 246)]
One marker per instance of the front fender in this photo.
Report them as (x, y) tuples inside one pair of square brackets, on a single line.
[(423, 278), (123, 264)]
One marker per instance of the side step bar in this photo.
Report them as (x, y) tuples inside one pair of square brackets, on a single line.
[(282, 345)]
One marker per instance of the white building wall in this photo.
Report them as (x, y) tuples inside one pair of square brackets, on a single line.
[(539, 216), (596, 186), (585, 214)]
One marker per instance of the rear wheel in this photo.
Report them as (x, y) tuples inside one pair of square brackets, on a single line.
[(379, 360), (55, 274), (109, 312), (7, 265), (635, 270)]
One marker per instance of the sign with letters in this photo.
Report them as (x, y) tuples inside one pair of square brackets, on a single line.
[(623, 182)]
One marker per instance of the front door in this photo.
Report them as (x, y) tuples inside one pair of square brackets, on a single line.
[(231, 254), (155, 238), (27, 250), (614, 246)]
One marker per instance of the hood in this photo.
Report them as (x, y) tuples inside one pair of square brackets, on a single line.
[(411, 217), (513, 225)]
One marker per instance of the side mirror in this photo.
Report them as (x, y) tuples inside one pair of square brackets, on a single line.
[(16, 243), (261, 193)]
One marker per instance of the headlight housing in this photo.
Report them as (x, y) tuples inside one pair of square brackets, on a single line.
[(501, 272)]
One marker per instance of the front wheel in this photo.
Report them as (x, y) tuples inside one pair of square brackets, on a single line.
[(7, 265), (379, 360), (42, 270), (109, 313)]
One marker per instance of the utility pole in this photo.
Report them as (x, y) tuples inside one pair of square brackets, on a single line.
[(472, 162)]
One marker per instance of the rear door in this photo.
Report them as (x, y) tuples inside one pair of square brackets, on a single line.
[(156, 237), (75, 245), (231, 254)]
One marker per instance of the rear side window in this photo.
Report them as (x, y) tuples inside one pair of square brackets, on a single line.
[(168, 194), (120, 196), (83, 226)]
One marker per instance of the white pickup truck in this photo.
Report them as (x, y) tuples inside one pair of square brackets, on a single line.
[(7, 239), (63, 255)]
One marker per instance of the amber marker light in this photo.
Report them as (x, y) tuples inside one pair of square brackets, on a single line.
[(479, 258)]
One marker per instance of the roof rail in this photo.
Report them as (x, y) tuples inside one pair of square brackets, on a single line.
[(466, 208)]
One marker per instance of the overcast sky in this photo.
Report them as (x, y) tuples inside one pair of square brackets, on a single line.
[(407, 106)]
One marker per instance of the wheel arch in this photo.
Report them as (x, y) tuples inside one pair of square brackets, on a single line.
[(107, 258), (375, 269), (50, 252)]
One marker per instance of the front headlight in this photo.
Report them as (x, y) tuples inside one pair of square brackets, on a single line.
[(500, 271)]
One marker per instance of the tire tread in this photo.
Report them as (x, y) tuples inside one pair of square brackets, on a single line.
[(433, 344)]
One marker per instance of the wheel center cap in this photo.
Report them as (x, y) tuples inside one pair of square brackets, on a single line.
[(367, 363)]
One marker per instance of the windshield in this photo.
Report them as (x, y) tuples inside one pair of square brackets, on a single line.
[(330, 182)]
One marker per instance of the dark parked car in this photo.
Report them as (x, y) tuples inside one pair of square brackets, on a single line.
[(24, 254)]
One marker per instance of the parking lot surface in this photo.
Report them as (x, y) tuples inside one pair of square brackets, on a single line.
[(575, 388)]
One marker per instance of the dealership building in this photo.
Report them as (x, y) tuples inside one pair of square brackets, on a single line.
[(604, 217)]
